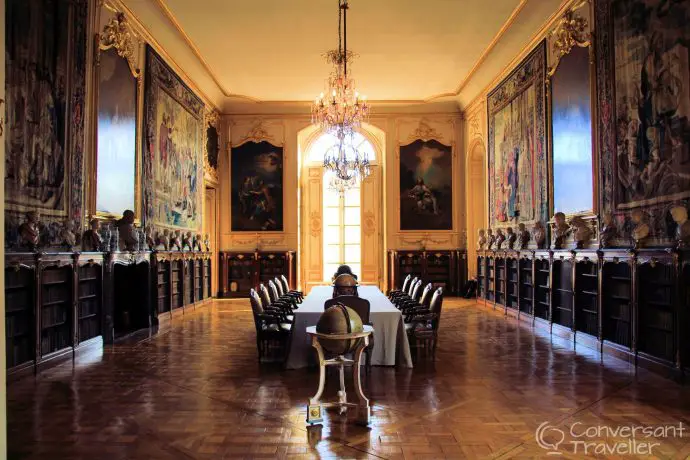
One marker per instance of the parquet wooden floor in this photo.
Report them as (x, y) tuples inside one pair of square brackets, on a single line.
[(196, 391)]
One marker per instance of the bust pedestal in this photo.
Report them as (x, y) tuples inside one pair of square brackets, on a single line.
[(315, 406)]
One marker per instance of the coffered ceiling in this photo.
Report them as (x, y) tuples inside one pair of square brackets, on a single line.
[(408, 50)]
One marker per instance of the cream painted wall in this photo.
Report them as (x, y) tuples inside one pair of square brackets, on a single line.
[(396, 129)]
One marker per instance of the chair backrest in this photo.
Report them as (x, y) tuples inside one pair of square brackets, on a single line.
[(411, 287), (416, 290), (425, 299), (257, 309), (358, 304), (286, 285), (406, 282), (279, 286), (273, 290), (265, 297), (436, 305)]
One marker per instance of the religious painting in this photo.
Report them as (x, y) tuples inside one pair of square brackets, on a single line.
[(173, 164), (644, 95), (426, 186), (518, 175), (571, 133), (45, 70), (256, 180), (117, 129)]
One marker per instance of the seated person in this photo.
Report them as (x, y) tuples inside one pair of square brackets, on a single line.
[(343, 270), (345, 284)]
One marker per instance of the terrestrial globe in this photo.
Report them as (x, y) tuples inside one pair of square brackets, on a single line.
[(339, 319)]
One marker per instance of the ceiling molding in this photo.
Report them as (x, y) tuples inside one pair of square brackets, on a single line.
[(149, 38), (173, 20), (536, 38), (227, 93)]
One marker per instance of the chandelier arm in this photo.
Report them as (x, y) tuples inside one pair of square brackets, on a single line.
[(340, 33), (345, 6)]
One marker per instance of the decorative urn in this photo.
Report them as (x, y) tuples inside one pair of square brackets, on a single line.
[(339, 320)]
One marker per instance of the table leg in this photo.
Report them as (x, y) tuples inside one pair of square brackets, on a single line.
[(314, 409), (363, 410)]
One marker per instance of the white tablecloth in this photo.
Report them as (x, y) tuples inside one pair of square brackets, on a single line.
[(390, 343)]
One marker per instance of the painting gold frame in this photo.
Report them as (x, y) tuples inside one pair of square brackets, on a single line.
[(572, 31), (120, 36)]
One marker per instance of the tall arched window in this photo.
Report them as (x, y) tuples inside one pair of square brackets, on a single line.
[(342, 232)]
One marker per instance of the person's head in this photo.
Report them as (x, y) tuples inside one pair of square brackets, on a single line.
[(128, 216), (94, 224), (521, 227), (32, 217), (559, 217)]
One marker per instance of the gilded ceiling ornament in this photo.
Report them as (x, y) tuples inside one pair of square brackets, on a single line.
[(118, 34), (571, 31), (425, 132)]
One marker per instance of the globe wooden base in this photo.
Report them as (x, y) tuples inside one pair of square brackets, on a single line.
[(315, 406)]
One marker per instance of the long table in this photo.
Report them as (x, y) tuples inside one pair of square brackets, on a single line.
[(390, 342)]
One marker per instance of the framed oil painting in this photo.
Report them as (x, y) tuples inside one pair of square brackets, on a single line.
[(518, 174), (571, 134), (212, 145), (45, 85), (643, 92), (256, 179), (116, 164), (426, 186), (173, 164)]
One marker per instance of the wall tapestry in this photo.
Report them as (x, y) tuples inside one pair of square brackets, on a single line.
[(571, 133), (45, 72), (117, 135), (173, 164), (257, 187), (518, 174), (643, 86), (426, 186)]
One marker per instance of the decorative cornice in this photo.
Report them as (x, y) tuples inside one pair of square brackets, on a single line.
[(570, 31), (257, 133), (118, 35), (425, 132)]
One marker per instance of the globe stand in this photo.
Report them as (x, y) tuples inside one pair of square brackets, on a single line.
[(315, 407)]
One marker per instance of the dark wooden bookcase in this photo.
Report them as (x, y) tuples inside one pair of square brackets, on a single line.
[(586, 294), (656, 309), (526, 286), (562, 290), (481, 276), (90, 300), (617, 301), (542, 286), (177, 283), (442, 268), (242, 271), (20, 282), (512, 284), (490, 279)]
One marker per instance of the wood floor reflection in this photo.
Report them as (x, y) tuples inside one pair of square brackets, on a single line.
[(197, 392)]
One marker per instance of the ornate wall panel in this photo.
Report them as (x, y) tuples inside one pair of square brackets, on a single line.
[(643, 96), (45, 101), (518, 174), (173, 164)]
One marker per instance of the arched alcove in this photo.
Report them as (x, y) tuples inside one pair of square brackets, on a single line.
[(476, 200)]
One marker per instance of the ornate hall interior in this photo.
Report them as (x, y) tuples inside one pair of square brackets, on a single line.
[(345, 229)]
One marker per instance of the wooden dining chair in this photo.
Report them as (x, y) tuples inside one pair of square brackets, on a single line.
[(298, 295), (422, 324), (394, 292), (273, 329), (423, 300), (363, 309)]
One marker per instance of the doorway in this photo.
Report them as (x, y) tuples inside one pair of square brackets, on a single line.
[(476, 201), (211, 227)]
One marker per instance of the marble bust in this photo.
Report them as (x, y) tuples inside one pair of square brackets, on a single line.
[(539, 233), (500, 238), (125, 228), (207, 242), (163, 240), (680, 217), (175, 243), (608, 231), (67, 237), (524, 235), (641, 230), (491, 239), (481, 241), (91, 239), (29, 231), (560, 230), (581, 231), (511, 237), (187, 241)]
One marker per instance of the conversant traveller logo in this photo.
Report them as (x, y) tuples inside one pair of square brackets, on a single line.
[(582, 439)]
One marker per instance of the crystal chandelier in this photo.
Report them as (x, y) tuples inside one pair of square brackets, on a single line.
[(347, 164), (341, 112)]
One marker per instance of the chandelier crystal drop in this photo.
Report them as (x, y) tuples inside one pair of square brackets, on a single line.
[(340, 111)]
